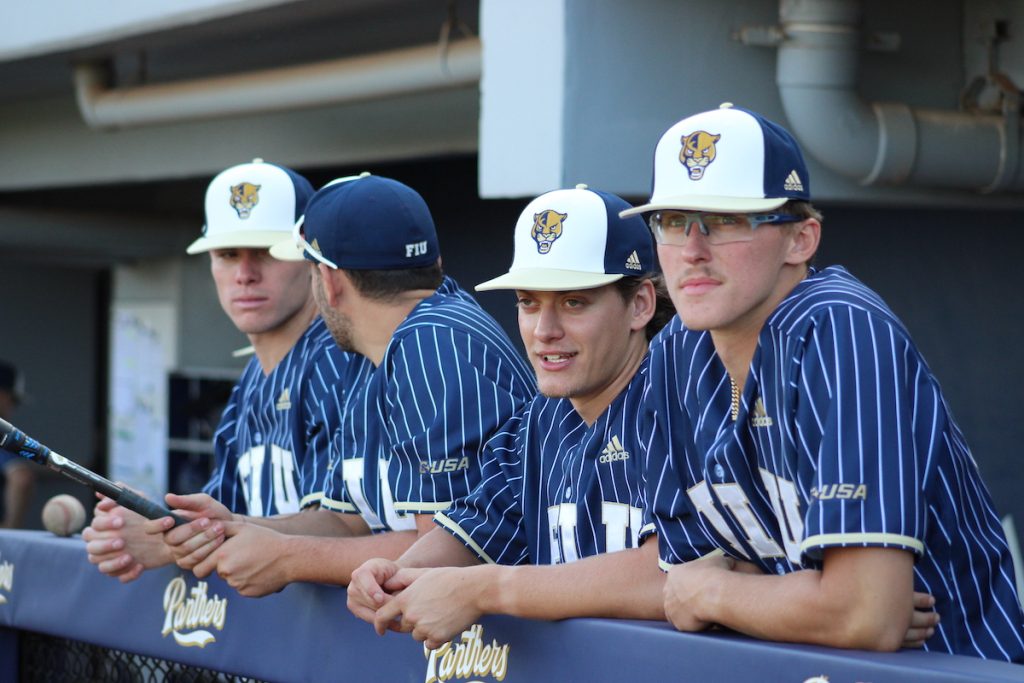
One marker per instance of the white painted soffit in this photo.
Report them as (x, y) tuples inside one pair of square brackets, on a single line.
[(40, 27)]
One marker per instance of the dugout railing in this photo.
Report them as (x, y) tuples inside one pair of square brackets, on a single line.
[(305, 633)]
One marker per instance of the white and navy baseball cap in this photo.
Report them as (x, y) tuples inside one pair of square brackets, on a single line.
[(575, 239), (728, 160), (296, 249), (252, 205), (365, 222)]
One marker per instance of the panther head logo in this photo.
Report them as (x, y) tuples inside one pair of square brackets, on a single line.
[(244, 196), (547, 227), (698, 151)]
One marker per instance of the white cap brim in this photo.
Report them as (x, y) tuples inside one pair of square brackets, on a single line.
[(707, 203), (548, 280), (287, 250), (240, 239)]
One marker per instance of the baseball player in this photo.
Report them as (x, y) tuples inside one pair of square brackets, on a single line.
[(272, 441), (807, 437), (445, 378), (561, 484), (17, 479)]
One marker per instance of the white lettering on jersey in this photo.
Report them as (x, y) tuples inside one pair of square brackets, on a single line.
[(250, 478), (286, 495), (352, 472), (620, 519), (621, 522), (733, 497), (700, 496), (562, 533), (786, 504), (250, 475)]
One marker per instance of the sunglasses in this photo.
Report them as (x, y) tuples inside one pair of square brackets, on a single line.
[(673, 227)]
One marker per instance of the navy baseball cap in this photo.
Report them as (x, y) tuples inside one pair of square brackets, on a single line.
[(252, 205), (366, 222), (575, 239), (726, 160)]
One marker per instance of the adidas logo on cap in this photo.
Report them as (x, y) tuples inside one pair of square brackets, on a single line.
[(633, 262), (793, 182)]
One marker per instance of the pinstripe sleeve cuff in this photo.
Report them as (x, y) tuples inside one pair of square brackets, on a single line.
[(337, 505), (310, 500), (812, 543), (422, 508), (452, 527)]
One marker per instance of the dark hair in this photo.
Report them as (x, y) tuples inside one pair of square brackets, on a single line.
[(805, 210), (663, 307), (385, 285)]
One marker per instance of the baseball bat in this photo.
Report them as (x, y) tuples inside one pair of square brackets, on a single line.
[(18, 442)]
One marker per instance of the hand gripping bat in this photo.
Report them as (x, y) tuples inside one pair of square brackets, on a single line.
[(18, 442)]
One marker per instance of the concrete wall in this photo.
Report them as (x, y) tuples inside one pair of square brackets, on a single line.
[(51, 333)]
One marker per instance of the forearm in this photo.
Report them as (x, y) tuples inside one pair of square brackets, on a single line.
[(438, 548), (627, 584), (320, 559), (314, 522), (870, 611)]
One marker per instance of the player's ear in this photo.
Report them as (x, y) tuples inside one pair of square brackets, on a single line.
[(804, 240), (331, 283), (642, 306)]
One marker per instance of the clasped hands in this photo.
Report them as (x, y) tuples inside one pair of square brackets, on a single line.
[(123, 544), (433, 605)]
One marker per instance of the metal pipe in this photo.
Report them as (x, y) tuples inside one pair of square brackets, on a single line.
[(367, 77), (881, 142)]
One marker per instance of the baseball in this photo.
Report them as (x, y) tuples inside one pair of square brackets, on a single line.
[(64, 515)]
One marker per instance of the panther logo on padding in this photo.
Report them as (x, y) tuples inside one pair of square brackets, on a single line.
[(698, 151), (547, 227), (244, 196)]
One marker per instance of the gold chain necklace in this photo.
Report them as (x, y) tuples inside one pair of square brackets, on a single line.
[(735, 400)]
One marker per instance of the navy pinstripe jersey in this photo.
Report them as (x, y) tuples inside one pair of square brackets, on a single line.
[(843, 439), (411, 441), (271, 446), (555, 490)]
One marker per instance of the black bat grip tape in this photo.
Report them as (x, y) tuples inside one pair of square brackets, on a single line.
[(146, 507)]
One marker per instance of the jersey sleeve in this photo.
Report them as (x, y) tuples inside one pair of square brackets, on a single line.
[(445, 398), (490, 519), (856, 388)]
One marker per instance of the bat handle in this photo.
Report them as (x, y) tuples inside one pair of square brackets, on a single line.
[(145, 507)]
